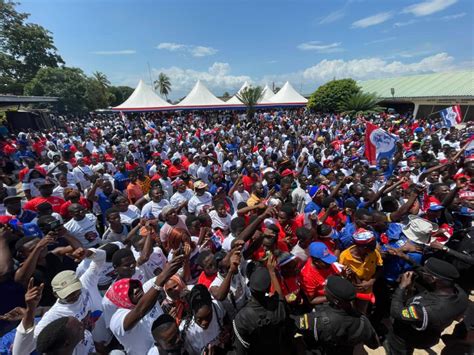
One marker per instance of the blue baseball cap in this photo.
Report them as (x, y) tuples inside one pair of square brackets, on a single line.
[(320, 251), (435, 207), (325, 171)]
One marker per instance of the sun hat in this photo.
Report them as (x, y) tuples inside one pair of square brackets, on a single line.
[(419, 230), (199, 185), (65, 283)]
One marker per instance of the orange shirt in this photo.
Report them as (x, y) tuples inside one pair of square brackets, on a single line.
[(134, 192)]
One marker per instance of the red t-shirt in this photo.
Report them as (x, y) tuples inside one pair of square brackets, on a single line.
[(313, 280), (206, 280), (336, 221), (56, 202), (174, 171), (248, 182), (132, 166)]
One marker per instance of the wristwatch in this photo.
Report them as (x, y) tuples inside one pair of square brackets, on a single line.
[(445, 248)]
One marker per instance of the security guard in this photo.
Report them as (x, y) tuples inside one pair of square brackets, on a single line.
[(259, 327), (419, 321), (336, 328)]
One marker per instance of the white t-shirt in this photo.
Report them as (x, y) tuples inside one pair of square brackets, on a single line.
[(238, 291), (179, 197), (220, 222), (198, 338), (138, 340), (131, 214), (197, 203), (157, 260), (80, 173), (59, 190), (167, 188), (87, 302), (154, 208), (85, 230), (238, 197)]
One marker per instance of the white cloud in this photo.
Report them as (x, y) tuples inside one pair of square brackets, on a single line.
[(320, 47), (195, 51), (405, 23), (428, 7), (368, 68), (381, 40), (201, 51), (121, 52), (332, 17), (372, 20), (453, 17), (172, 47), (217, 77)]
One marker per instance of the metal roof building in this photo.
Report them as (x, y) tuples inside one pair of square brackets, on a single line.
[(428, 93)]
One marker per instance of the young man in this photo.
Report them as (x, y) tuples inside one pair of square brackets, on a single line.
[(82, 226)]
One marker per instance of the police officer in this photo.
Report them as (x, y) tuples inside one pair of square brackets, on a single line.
[(259, 327), (420, 320), (336, 327)]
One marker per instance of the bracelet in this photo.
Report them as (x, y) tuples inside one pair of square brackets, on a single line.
[(156, 287), (445, 248)]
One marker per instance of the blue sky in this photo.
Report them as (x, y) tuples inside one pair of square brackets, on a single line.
[(225, 43)]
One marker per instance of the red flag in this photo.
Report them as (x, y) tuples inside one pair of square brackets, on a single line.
[(370, 151)]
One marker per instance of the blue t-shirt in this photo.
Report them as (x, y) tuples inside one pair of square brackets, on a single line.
[(312, 206), (394, 266)]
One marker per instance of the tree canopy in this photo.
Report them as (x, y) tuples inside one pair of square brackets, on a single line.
[(361, 103), (163, 85), (24, 49), (330, 96)]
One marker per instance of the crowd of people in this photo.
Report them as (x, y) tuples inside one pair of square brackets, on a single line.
[(218, 233)]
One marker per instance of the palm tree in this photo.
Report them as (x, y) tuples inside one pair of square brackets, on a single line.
[(250, 97), (163, 85), (102, 79), (361, 103)]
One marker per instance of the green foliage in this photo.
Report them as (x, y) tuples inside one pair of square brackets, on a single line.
[(225, 96), (163, 85), (328, 97), (24, 49), (120, 94), (361, 103), (69, 84), (250, 96)]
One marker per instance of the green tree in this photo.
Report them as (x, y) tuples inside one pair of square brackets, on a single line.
[(24, 49), (225, 96), (163, 85), (96, 96), (250, 96), (328, 97), (70, 85), (121, 93), (101, 79), (361, 103)]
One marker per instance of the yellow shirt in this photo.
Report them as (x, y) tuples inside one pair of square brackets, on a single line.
[(365, 270), (253, 200)]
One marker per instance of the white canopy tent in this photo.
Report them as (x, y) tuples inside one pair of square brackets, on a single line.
[(143, 98), (200, 98), (234, 100), (288, 96), (266, 95)]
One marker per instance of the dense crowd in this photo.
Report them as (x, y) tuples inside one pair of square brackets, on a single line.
[(215, 233)]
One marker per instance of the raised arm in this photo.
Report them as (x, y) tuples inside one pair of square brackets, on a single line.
[(149, 299)]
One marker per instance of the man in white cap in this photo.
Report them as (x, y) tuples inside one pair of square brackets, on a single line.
[(201, 199), (77, 297), (419, 230)]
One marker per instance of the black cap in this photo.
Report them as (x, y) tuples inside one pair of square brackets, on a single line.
[(11, 199), (260, 280), (340, 288), (441, 269)]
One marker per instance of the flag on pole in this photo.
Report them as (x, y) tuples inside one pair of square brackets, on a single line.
[(451, 115), (378, 143)]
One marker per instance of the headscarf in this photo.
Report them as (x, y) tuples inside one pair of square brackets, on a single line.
[(118, 294), (179, 304)]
